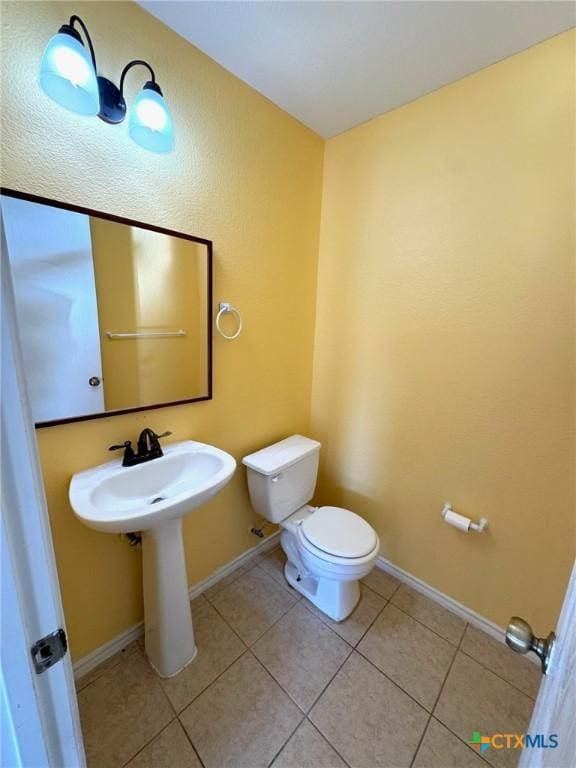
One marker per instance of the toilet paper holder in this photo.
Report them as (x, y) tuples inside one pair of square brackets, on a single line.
[(461, 522)]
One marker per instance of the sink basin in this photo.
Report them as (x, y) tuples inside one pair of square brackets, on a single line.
[(118, 499), (152, 498)]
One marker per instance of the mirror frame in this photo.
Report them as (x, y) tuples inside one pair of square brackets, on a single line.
[(152, 228)]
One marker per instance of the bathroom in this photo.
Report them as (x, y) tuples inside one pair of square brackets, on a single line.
[(388, 190)]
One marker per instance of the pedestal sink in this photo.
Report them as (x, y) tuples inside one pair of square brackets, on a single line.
[(152, 498)]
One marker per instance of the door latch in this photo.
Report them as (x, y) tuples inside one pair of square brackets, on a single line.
[(49, 650)]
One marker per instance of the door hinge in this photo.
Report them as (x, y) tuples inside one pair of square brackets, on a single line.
[(49, 650)]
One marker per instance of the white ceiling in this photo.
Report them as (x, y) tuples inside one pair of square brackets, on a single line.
[(333, 65)]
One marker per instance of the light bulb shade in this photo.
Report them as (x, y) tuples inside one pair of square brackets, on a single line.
[(67, 75), (150, 121)]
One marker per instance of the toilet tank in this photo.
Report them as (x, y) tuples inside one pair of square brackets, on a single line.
[(282, 477)]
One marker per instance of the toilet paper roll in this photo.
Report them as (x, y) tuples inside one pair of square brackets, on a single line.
[(458, 521)]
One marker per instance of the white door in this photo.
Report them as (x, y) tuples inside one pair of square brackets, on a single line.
[(50, 253), (555, 709), (40, 722)]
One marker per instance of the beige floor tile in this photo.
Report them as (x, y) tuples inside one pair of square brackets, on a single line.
[(367, 719), (443, 622), (352, 628), (252, 604), (218, 647), (307, 748), (242, 719), (441, 749), (381, 582), (475, 699), (500, 659), (409, 653), (98, 671), (170, 749), (229, 579), (121, 711), (302, 653)]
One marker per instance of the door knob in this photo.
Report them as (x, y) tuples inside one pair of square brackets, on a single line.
[(94, 381), (521, 639)]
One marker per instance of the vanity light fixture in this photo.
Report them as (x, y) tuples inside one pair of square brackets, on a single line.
[(68, 74)]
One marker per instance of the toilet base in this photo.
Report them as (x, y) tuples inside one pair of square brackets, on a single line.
[(337, 599)]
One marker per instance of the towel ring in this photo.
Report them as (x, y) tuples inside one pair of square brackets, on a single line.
[(225, 308)]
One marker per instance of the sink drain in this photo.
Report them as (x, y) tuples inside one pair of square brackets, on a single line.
[(157, 499)]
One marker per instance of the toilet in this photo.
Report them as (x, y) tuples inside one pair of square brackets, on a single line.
[(329, 549)]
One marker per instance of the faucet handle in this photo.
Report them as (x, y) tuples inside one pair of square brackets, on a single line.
[(164, 434), (125, 445)]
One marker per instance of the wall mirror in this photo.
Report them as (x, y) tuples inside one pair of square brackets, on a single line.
[(114, 315)]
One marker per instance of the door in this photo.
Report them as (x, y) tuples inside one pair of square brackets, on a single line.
[(555, 709), (50, 254), (40, 722)]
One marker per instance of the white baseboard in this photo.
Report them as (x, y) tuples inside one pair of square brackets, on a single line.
[(92, 659), (445, 601)]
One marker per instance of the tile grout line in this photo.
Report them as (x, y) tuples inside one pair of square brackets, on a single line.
[(319, 732), (420, 740), (438, 696), (286, 742), (317, 699), (249, 645), (304, 712), (397, 685), (218, 676), (171, 707), (458, 650), (298, 724), (461, 740), (323, 618), (196, 751), (142, 748), (489, 669), (204, 690), (429, 628)]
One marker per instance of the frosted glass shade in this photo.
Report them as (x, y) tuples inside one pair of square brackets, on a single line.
[(67, 75), (151, 122)]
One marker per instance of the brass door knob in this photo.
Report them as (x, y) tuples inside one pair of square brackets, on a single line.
[(521, 639)]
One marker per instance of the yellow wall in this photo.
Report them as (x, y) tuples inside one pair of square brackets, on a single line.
[(243, 174), (443, 363), (148, 281)]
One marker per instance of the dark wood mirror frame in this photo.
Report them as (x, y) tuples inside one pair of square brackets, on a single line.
[(152, 228)]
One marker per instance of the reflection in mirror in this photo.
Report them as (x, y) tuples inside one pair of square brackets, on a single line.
[(113, 315)]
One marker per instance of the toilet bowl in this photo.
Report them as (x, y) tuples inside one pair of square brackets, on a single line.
[(328, 549)]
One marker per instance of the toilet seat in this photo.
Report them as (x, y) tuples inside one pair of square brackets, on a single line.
[(338, 535)]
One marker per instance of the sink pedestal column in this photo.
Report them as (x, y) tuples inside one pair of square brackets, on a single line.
[(169, 635)]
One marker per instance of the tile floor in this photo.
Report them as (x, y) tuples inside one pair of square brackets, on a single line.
[(401, 683)]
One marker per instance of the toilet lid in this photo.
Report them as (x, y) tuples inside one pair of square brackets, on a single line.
[(339, 532)]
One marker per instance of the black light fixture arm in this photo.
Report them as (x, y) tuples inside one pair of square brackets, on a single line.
[(142, 63), (76, 19)]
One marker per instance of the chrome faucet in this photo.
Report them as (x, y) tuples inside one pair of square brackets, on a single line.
[(148, 448)]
